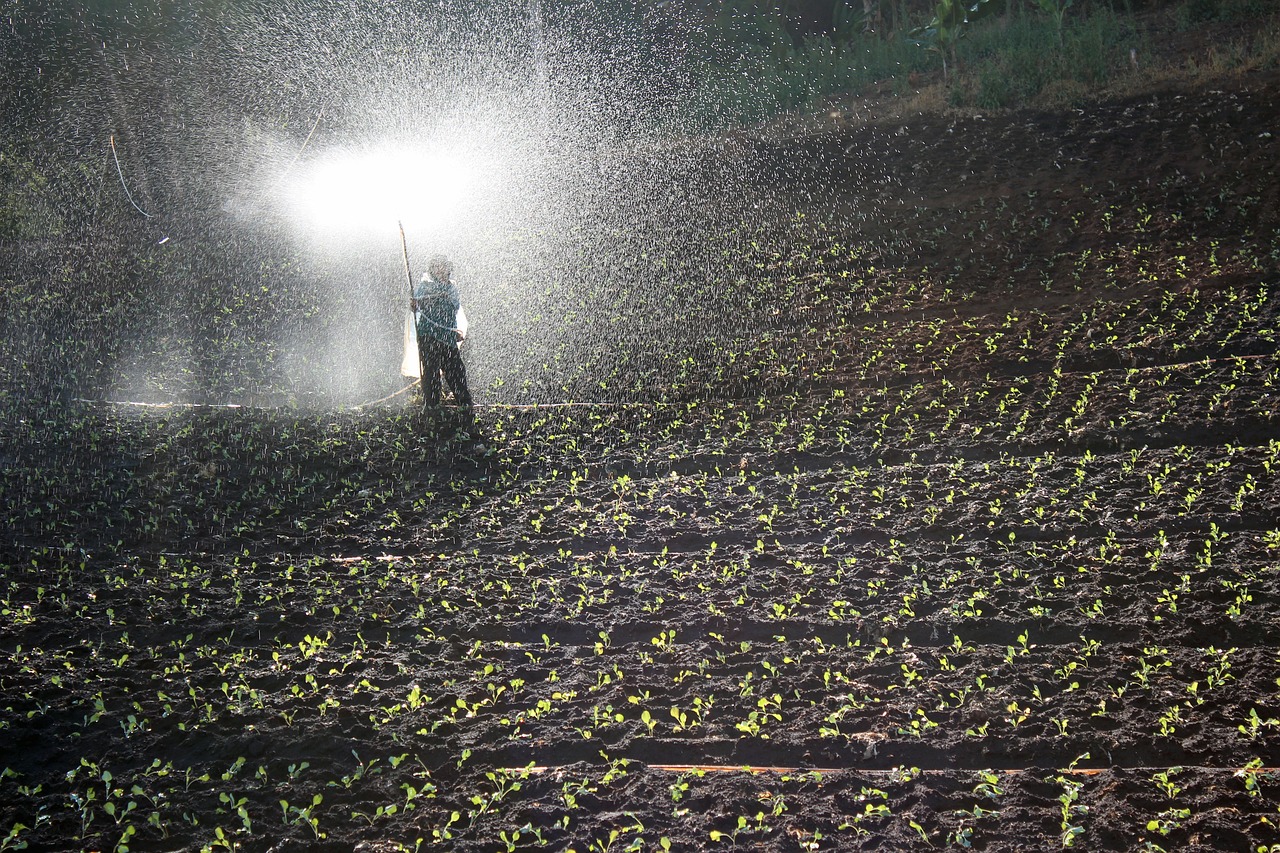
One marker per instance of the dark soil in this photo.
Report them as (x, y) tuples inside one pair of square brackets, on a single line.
[(973, 542)]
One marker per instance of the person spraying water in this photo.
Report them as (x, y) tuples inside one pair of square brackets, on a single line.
[(441, 326)]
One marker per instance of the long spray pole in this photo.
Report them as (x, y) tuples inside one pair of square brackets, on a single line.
[(408, 276), (404, 249)]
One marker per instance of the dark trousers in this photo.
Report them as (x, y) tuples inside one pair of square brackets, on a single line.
[(442, 357)]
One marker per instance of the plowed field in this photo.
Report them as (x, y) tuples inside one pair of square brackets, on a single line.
[(967, 536)]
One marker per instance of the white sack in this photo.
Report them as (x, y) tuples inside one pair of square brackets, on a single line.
[(410, 366)]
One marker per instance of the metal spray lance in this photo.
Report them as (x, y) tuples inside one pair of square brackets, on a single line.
[(404, 251)]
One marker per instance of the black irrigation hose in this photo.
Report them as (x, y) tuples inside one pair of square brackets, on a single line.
[(389, 396)]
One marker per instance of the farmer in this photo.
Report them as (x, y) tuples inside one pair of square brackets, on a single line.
[(441, 327)]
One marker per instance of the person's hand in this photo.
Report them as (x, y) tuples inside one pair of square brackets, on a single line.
[(461, 337), (413, 304)]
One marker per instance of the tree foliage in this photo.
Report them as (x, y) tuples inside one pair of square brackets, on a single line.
[(951, 20)]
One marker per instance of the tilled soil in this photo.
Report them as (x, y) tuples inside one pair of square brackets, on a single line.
[(974, 544)]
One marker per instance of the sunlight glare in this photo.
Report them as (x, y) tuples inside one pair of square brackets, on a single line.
[(357, 191)]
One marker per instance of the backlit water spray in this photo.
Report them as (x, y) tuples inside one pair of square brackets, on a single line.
[(275, 146)]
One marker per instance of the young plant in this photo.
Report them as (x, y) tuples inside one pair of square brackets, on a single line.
[(1071, 810), (1253, 725)]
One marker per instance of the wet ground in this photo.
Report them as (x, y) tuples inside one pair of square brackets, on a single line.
[(971, 542)]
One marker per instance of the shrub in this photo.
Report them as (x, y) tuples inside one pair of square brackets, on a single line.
[(769, 77), (1021, 61)]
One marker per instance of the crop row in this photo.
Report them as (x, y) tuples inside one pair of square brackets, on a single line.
[(439, 701), (1004, 592), (527, 807), (309, 466)]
